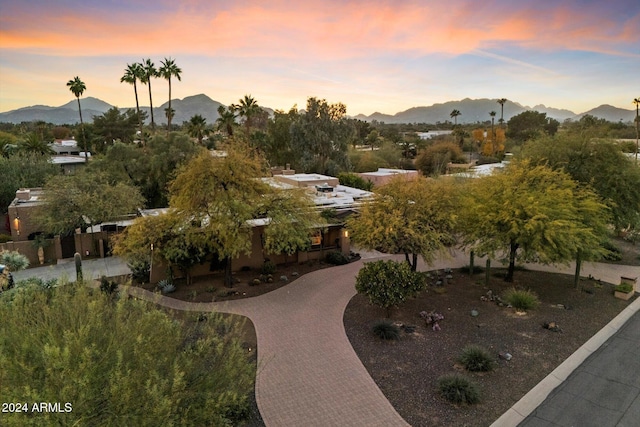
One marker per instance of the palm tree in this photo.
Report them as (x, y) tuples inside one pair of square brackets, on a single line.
[(77, 87), (637, 102), (169, 69), (227, 119), (454, 115), (502, 101), (32, 143), (197, 127), (148, 72), (493, 133), (132, 74), (247, 108)]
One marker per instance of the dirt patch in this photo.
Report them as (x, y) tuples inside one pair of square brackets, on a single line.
[(211, 288), (407, 370)]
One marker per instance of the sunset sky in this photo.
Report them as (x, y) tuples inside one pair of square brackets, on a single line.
[(376, 55)]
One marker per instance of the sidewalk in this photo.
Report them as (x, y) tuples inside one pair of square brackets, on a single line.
[(66, 269)]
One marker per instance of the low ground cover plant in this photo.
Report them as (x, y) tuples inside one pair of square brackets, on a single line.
[(522, 299), (457, 388)]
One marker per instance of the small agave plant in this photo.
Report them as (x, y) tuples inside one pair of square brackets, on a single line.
[(166, 287)]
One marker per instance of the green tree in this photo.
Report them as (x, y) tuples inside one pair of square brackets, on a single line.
[(454, 115), (319, 139), (412, 217), (77, 87), (112, 126), (278, 151), (122, 362), (501, 101), (83, 200), (530, 124), (132, 74), (32, 143), (23, 170), (149, 72), (597, 163), (434, 159), (388, 284), (532, 213), (248, 109), (224, 194), (197, 127), (167, 70), (355, 181), (226, 119)]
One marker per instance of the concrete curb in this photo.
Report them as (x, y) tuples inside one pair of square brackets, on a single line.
[(530, 401)]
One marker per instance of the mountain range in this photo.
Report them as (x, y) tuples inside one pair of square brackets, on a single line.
[(472, 111)]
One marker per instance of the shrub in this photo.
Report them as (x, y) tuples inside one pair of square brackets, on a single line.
[(624, 287), (255, 282), (140, 270), (4, 238), (386, 330), (457, 388), (355, 181), (432, 318), (476, 359), (166, 287), (388, 283), (613, 253), (521, 299), (337, 258), (268, 267), (14, 260), (107, 286), (434, 159)]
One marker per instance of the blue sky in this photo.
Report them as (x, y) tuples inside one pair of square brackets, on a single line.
[(384, 56)]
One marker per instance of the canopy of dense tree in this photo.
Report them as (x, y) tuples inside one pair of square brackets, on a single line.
[(598, 163), (23, 170), (412, 217), (532, 213), (113, 126), (530, 124), (121, 362), (83, 200), (319, 139), (214, 200), (434, 159)]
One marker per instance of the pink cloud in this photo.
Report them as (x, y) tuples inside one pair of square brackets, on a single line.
[(324, 30)]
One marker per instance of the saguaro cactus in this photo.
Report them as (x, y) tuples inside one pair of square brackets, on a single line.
[(78, 260)]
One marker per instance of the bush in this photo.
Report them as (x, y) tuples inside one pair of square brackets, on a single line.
[(355, 181), (109, 287), (386, 330), (337, 258), (388, 283), (476, 269), (521, 299), (196, 373), (140, 270), (624, 287), (166, 287), (14, 260), (476, 359), (457, 388), (613, 253), (268, 267), (434, 159), (4, 238)]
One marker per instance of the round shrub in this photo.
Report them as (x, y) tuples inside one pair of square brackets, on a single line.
[(476, 359), (386, 330), (521, 299), (268, 267), (457, 388), (337, 258)]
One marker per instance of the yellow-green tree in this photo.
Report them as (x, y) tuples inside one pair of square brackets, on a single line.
[(121, 362), (411, 217), (532, 213), (216, 200)]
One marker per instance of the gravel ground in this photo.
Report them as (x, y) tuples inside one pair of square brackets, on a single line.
[(407, 370)]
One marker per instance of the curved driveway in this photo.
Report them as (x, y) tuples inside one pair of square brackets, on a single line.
[(308, 373)]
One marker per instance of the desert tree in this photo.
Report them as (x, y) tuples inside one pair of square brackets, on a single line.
[(414, 217), (532, 213)]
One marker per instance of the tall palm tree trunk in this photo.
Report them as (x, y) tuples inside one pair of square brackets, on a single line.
[(84, 138), (153, 123), (135, 90), (170, 112)]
